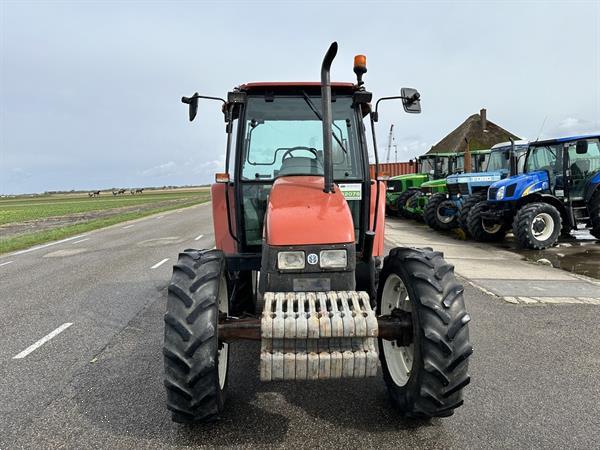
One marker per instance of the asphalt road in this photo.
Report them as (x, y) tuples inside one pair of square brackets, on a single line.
[(98, 383)]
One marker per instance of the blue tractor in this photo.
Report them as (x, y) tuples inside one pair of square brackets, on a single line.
[(445, 211), (559, 191)]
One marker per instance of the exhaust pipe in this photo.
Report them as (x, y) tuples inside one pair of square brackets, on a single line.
[(327, 119)]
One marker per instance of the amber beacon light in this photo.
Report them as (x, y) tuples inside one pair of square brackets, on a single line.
[(360, 67)]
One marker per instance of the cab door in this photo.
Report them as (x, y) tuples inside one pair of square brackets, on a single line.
[(581, 167)]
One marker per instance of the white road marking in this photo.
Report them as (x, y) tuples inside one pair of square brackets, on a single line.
[(128, 226), (159, 217), (42, 341), (48, 245), (5, 263), (199, 237), (160, 263), (81, 240)]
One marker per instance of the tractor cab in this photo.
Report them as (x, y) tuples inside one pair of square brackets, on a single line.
[(557, 192), (437, 165), (279, 136)]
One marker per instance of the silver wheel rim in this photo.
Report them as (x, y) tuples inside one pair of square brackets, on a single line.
[(399, 360), (548, 223), (491, 228), (223, 347), (441, 217)]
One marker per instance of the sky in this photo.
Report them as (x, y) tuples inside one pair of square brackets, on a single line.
[(90, 91)]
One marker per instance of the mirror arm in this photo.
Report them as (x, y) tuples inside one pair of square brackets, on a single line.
[(394, 97), (187, 100)]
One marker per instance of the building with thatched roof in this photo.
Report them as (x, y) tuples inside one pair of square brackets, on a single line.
[(479, 132)]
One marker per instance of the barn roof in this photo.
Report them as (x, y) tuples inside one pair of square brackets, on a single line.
[(480, 133)]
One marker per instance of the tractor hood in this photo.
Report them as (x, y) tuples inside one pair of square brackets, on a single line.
[(434, 183), (476, 177), (410, 176), (300, 213), (517, 186)]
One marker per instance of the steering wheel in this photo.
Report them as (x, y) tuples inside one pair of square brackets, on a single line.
[(288, 153)]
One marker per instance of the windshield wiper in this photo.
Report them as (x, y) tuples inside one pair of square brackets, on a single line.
[(311, 105)]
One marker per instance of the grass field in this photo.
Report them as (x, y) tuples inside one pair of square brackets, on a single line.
[(27, 221)]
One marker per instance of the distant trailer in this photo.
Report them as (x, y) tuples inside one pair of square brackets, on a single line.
[(393, 169)]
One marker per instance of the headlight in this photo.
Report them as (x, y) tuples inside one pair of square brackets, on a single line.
[(500, 193), (290, 260), (333, 259)]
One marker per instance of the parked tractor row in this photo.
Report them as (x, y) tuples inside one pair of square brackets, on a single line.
[(539, 190)]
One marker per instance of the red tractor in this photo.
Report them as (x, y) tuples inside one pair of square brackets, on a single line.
[(299, 230)]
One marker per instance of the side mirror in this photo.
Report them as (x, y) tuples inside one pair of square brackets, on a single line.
[(581, 147), (193, 102), (411, 100)]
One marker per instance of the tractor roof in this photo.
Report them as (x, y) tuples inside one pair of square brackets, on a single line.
[(565, 139), (284, 87), (508, 144)]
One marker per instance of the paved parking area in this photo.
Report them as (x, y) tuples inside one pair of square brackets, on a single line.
[(496, 270)]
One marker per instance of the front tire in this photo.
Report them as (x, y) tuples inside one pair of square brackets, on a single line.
[(537, 225), (426, 378), (195, 362), (482, 231), (433, 213), (463, 214), (413, 203), (401, 202)]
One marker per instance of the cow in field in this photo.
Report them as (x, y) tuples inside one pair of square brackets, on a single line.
[(94, 194)]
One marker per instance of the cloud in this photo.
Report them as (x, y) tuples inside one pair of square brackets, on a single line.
[(162, 170), (571, 126)]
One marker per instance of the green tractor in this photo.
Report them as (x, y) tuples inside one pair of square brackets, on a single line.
[(430, 167), (416, 203)]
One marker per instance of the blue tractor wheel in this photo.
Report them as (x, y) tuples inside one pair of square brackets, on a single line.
[(537, 225)]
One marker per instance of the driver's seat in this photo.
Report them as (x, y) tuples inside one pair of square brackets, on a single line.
[(300, 165)]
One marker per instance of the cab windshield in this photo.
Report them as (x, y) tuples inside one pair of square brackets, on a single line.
[(500, 159), (284, 136), (427, 165), (544, 157)]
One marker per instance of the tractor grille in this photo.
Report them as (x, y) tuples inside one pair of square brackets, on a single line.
[(492, 193), (463, 188), (426, 190), (453, 189)]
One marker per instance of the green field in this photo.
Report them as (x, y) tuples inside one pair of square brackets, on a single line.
[(26, 221)]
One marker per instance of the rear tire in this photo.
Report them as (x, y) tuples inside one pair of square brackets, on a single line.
[(481, 231), (537, 225), (195, 362), (426, 378), (463, 214), (594, 209), (432, 214)]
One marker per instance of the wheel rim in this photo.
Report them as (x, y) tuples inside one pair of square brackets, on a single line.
[(223, 356), (542, 226), (441, 217), (491, 228), (399, 360)]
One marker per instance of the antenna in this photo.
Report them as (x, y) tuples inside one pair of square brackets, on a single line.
[(389, 146), (541, 129)]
